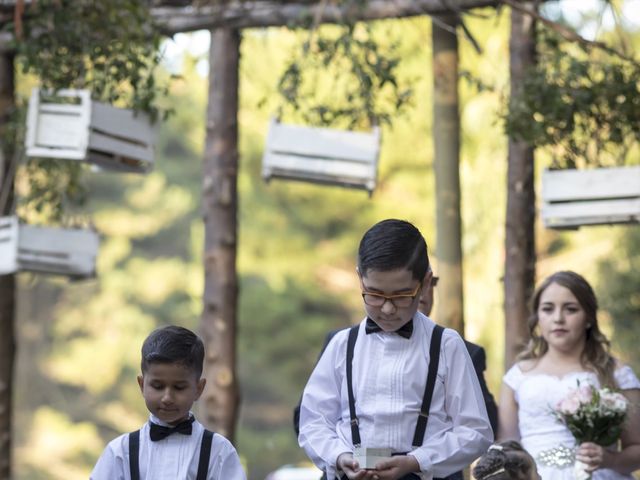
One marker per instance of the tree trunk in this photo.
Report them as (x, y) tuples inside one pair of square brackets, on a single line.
[(520, 262), (7, 282), (220, 203), (446, 137)]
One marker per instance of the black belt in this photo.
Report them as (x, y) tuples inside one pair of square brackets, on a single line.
[(412, 476)]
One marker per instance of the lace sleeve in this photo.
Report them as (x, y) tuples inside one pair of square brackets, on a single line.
[(626, 379), (513, 377)]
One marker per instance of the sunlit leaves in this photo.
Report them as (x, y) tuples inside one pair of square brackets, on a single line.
[(582, 104), (363, 69), (109, 47)]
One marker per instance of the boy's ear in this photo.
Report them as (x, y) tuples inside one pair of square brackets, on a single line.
[(141, 382), (200, 386), (426, 281)]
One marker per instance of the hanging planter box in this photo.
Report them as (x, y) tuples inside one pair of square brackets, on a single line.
[(322, 155), (8, 245), (69, 125), (599, 196), (63, 251)]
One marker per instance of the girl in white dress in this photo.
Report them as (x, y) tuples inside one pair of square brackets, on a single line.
[(566, 346)]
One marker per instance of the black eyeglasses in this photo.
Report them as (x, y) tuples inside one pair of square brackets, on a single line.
[(398, 301)]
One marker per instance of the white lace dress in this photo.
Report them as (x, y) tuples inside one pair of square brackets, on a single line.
[(540, 432)]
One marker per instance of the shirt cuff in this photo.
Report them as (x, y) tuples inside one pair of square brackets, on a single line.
[(332, 469), (426, 467)]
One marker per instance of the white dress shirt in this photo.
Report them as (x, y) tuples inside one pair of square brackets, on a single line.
[(389, 377), (173, 458)]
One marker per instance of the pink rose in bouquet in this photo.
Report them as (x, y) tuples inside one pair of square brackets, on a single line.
[(592, 415)]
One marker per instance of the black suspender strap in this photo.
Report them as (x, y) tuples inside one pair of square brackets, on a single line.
[(355, 431), (434, 360), (205, 453), (134, 449), (203, 462)]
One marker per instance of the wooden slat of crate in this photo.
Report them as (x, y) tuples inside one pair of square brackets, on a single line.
[(329, 170), (8, 245), (596, 212), (115, 154), (323, 143), (122, 123), (590, 184)]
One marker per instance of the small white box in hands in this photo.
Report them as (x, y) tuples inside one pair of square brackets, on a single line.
[(367, 458)]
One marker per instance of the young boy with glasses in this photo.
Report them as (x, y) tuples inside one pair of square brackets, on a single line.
[(384, 387)]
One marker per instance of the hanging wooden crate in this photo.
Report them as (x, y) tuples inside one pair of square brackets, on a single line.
[(322, 155), (69, 125), (8, 245), (599, 196), (62, 251), (69, 252)]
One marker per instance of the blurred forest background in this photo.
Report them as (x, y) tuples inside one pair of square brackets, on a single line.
[(79, 342)]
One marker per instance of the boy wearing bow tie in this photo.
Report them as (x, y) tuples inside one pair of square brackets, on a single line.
[(172, 444), (396, 387)]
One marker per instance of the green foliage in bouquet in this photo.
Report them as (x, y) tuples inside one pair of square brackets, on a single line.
[(593, 415)]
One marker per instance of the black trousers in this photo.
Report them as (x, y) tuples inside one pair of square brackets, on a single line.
[(412, 476)]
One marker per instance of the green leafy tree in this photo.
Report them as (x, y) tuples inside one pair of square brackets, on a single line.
[(619, 295), (581, 103), (110, 48)]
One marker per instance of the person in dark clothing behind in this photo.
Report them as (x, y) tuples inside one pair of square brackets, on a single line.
[(476, 352)]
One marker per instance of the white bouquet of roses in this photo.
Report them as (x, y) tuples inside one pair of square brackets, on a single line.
[(592, 415)]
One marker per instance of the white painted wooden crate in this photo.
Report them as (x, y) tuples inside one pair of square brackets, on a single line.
[(69, 125), (62, 251), (322, 155), (8, 245), (573, 198)]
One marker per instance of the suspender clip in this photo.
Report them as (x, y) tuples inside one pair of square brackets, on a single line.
[(354, 422), (425, 415)]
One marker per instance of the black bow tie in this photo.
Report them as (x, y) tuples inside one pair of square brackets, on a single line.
[(404, 331), (158, 432)]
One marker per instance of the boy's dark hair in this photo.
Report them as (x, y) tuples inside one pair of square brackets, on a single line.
[(504, 461), (392, 244), (173, 344)]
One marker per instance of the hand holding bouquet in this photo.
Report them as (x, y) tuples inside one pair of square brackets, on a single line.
[(592, 415)]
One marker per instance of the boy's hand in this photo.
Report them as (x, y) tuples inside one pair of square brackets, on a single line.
[(351, 469), (396, 467)]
